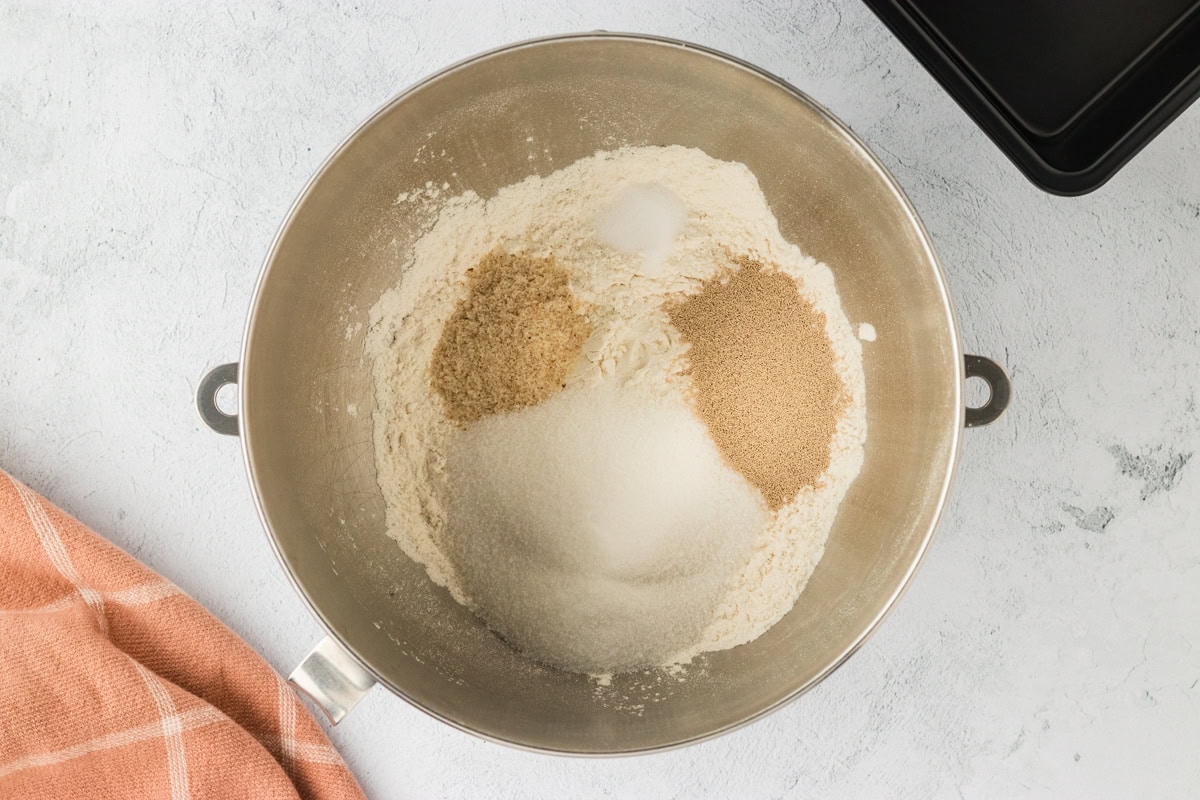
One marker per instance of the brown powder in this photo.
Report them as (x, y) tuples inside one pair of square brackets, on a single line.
[(511, 341), (764, 376)]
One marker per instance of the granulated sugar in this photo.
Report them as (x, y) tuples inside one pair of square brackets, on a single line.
[(633, 348), (596, 530)]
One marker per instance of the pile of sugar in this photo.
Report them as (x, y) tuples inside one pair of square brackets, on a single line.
[(596, 530), (633, 347)]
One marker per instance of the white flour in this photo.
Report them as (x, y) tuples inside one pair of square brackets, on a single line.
[(633, 346)]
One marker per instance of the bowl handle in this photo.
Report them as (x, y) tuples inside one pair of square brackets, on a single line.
[(1000, 390), (206, 399), (331, 678)]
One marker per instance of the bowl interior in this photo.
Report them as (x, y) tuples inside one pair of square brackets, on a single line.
[(307, 399)]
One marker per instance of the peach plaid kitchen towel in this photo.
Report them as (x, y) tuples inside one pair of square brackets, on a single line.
[(115, 684)]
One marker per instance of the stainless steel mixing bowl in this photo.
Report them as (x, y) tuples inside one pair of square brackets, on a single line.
[(492, 121)]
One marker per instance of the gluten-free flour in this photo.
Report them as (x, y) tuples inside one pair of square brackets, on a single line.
[(616, 411)]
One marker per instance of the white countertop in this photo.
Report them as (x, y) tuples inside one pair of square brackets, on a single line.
[(1050, 645)]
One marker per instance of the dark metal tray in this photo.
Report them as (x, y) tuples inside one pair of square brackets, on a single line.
[(1069, 89)]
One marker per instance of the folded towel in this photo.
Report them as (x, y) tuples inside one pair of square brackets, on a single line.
[(115, 684)]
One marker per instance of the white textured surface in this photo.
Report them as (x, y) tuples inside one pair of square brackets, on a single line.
[(1051, 644)]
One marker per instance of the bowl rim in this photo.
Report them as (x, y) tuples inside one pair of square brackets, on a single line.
[(851, 139)]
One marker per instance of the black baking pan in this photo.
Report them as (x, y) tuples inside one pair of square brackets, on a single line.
[(1069, 89)]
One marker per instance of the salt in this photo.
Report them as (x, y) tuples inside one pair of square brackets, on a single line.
[(595, 531), (645, 219)]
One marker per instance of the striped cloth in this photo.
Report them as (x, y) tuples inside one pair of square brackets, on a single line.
[(114, 684)]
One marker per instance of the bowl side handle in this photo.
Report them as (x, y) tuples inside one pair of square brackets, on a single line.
[(206, 399), (1000, 390), (332, 679)]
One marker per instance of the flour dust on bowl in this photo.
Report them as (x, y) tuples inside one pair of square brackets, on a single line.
[(343, 291)]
